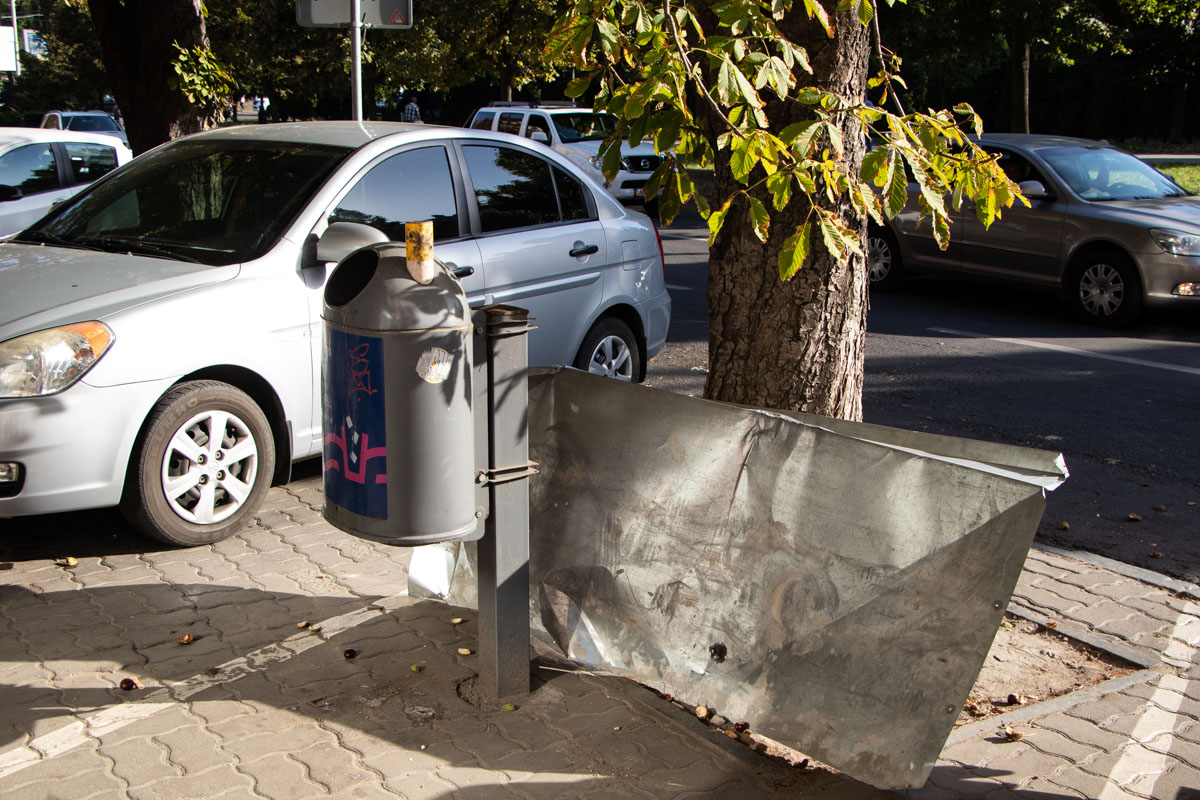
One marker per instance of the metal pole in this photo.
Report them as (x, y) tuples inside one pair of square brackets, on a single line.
[(355, 58), (16, 37), (503, 552)]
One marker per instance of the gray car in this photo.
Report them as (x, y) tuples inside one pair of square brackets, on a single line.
[(161, 333), (1112, 234)]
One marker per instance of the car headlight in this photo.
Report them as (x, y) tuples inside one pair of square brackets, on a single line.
[(49, 361), (1177, 243)]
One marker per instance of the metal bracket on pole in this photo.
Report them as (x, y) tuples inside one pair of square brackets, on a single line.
[(503, 552)]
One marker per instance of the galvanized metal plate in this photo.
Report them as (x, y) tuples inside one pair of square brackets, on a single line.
[(833, 584)]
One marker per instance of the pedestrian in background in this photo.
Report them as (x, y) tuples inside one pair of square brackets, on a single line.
[(411, 112)]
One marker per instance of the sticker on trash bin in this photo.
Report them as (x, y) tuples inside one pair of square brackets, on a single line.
[(354, 424), (434, 365)]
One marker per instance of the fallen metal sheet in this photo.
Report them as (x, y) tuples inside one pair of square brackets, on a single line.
[(834, 584)]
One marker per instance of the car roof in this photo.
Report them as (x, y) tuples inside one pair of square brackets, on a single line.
[(13, 136), (347, 133), (81, 113), (1039, 141)]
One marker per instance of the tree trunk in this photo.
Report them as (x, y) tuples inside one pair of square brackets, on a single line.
[(1018, 60), (796, 345), (137, 42), (1179, 87)]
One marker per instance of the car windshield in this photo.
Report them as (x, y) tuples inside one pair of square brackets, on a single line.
[(581, 126), (213, 201), (1101, 174), (92, 122)]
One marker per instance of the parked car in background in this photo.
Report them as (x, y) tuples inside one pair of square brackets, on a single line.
[(576, 133), (39, 168), (1112, 234), (86, 121), (161, 333)]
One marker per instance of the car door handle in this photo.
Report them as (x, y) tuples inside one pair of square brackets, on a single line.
[(462, 272), (584, 250)]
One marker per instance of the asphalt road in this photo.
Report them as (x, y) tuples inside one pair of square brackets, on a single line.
[(1004, 365)]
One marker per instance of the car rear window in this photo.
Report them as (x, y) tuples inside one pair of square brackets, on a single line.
[(516, 189), (510, 122), (92, 122), (90, 161)]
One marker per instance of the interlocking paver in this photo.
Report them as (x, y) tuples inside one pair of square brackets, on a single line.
[(307, 722)]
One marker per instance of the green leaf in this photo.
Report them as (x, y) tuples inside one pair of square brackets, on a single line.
[(866, 11), (817, 11), (610, 37), (716, 219), (780, 187), (578, 86), (873, 162), (742, 158), (896, 186), (727, 84), (795, 251), (760, 219)]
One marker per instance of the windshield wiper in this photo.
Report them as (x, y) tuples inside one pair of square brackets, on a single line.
[(42, 237), (113, 245)]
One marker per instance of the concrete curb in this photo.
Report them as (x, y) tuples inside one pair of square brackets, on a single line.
[(1189, 590)]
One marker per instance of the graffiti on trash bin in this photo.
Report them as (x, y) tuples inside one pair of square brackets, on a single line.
[(355, 444)]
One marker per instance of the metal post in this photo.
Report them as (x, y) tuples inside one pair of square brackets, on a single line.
[(16, 38), (356, 59), (503, 551)]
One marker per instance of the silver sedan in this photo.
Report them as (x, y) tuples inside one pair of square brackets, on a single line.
[(1112, 234), (161, 333)]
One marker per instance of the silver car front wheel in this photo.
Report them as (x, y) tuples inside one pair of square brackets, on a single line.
[(202, 466), (884, 268)]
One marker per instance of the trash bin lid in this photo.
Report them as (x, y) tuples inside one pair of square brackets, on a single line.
[(371, 289)]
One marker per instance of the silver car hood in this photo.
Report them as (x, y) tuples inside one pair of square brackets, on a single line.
[(1163, 212), (43, 286)]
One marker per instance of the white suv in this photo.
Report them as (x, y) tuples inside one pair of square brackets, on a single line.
[(576, 133)]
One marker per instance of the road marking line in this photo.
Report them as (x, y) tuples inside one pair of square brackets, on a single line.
[(675, 288), (1058, 348), (1156, 723), (87, 728)]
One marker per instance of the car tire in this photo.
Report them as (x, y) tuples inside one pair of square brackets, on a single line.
[(1105, 290), (182, 487), (885, 269), (610, 349)]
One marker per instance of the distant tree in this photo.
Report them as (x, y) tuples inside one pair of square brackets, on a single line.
[(956, 39), (69, 76), (1165, 34), (157, 59)]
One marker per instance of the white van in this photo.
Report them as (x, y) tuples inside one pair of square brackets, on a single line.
[(576, 133)]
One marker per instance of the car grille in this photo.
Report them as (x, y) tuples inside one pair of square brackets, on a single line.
[(642, 163)]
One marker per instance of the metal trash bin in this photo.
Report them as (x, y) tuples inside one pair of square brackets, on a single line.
[(399, 452)]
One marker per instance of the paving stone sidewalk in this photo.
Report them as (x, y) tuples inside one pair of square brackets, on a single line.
[(310, 673)]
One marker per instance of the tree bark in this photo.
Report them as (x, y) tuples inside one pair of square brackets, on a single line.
[(1179, 87), (137, 39), (1018, 60), (796, 345)]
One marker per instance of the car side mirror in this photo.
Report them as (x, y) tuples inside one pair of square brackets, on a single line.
[(540, 136), (339, 240), (1034, 190)]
